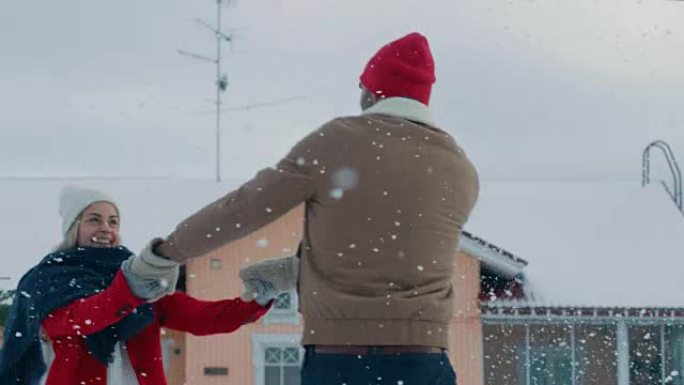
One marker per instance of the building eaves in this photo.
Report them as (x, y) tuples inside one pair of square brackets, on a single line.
[(525, 309), (493, 257)]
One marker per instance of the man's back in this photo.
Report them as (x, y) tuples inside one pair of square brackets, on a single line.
[(381, 231)]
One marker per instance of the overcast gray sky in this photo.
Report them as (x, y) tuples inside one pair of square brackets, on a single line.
[(534, 90)]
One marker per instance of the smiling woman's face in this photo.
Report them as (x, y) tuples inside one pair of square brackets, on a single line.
[(99, 226)]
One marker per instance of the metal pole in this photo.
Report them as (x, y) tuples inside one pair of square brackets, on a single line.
[(662, 354), (573, 355), (219, 36), (622, 353), (528, 378)]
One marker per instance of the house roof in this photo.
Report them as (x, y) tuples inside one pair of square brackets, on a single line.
[(588, 244), (493, 257)]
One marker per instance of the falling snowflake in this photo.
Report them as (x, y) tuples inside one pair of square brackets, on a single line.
[(336, 193), (262, 243), (345, 178)]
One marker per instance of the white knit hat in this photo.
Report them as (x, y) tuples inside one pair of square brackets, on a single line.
[(73, 200)]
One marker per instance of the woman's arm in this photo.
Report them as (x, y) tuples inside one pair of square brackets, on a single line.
[(181, 312), (89, 315)]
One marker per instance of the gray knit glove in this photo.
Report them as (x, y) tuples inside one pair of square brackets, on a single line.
[(281, 273), (150, 289), (260, 291), (150, 266)]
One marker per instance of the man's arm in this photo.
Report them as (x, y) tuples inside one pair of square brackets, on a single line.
[(270, 194)]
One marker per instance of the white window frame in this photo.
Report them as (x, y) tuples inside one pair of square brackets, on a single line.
[(555, 351), (289, 316), (262, 341)]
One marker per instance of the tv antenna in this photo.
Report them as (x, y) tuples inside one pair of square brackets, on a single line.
[(221, 78)]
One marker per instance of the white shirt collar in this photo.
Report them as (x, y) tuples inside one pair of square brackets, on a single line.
[(404, 108)]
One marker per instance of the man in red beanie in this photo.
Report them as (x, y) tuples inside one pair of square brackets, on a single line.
[(386, 194)]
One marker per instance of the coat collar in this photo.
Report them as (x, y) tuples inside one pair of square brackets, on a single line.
[(404, 108)]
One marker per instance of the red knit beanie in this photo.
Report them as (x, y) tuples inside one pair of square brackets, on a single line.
[(403, 68)]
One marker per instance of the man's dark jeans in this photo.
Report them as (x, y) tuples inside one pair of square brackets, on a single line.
[(377, 369)]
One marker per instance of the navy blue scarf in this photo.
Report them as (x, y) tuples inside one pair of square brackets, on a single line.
[(58, 280)]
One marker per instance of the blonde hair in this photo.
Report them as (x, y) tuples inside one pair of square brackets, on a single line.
[(70, 240)]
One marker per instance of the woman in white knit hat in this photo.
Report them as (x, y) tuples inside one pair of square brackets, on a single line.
[(89, 218), (103, 320)]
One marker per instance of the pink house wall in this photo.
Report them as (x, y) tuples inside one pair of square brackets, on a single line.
[(234, 350)]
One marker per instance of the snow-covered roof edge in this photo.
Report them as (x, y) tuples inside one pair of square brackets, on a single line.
[(530, 308), (493, 257)]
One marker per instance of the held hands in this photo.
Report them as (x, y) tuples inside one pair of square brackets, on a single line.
[(258, 290), (150, 276), (265, 279)]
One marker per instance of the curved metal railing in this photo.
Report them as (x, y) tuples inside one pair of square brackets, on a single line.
[(676, 191)]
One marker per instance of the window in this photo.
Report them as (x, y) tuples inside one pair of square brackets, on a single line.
[(597, 362), (550, 365), (550, 356), (674, 365), (545, 354), (284, 310), (281, 365), (283, 302), (501, 354), (215, 264), (277, 359), (645, 364)]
